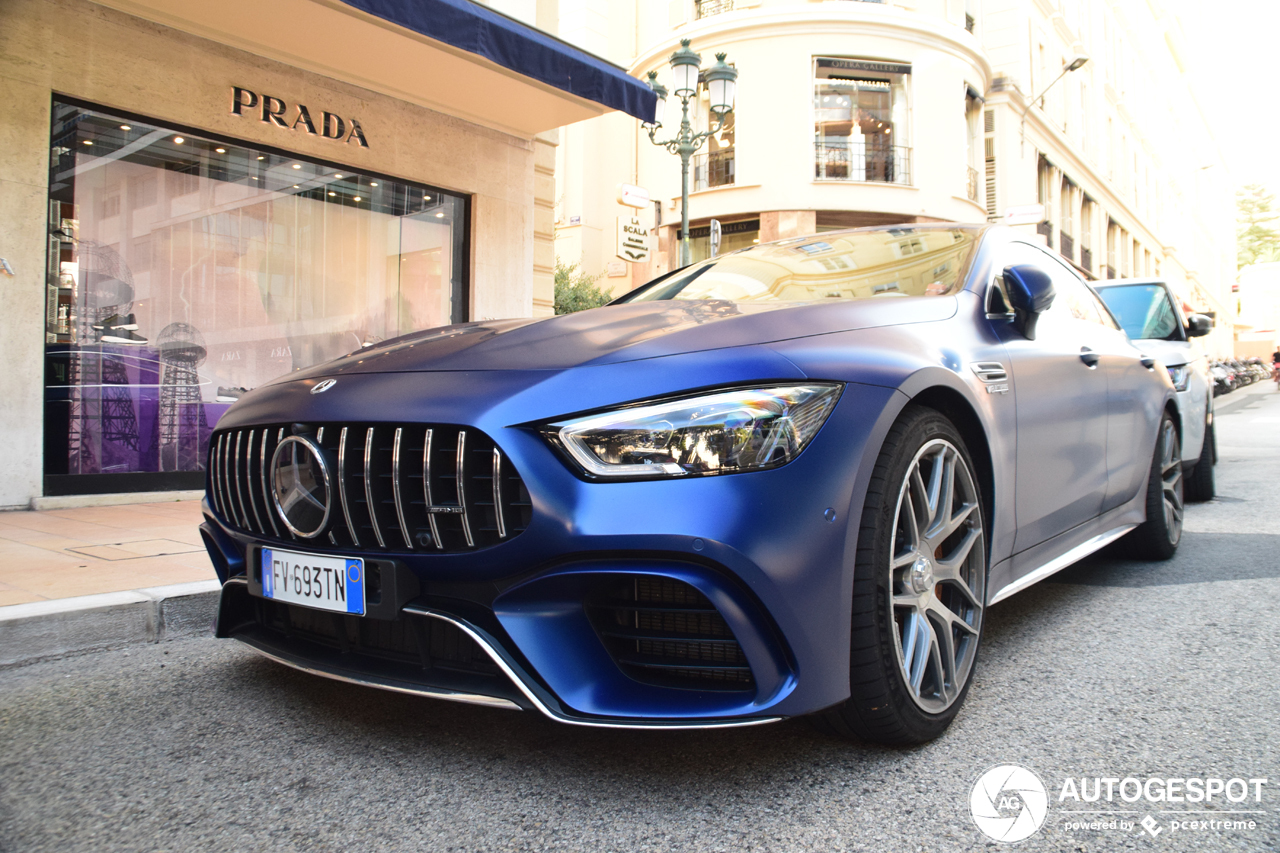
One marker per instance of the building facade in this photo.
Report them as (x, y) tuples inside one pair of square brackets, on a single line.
[(857, 113), (196, 199)]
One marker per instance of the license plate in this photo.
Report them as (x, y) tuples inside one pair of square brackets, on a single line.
[(311, 580)]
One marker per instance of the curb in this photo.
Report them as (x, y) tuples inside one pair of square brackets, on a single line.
[(43, 630), (114, 499)]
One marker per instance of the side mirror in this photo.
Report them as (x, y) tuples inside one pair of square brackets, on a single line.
[(1031, 292), (1199, 325)]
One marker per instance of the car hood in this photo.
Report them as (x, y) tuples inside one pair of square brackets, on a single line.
[(1169, 353), (627, 332)]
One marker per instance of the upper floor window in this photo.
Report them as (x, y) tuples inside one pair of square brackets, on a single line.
[(860, 120), (716, 165)]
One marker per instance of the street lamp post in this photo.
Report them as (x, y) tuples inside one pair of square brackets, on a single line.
[(1072, 64), (721, 82)]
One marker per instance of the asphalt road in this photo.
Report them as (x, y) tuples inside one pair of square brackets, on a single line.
[(1113, 669)]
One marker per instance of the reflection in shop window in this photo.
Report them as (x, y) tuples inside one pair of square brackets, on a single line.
[(860, 121), (184, 274)]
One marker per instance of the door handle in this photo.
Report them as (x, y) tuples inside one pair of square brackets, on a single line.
[(1089, 357)]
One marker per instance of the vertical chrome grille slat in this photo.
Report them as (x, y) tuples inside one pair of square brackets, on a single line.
[(395, 487), (497, 493), (266, 482), (215, 488), (248, 467), (368, 487), (462, 493), (280, 438), (235, 464), (342, 486), (227, 511), (426, 490), (320, 436)]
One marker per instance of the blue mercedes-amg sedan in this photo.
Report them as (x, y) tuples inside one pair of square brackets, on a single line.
[(787, 481)]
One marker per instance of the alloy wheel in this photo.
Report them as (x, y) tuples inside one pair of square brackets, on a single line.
[(937, 575)]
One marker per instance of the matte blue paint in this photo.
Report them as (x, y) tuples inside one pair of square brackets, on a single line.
[(777, 546)]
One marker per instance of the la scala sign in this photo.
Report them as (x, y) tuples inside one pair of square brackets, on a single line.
[(633, 240)]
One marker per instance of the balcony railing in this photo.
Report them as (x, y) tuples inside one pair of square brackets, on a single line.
[(837, 161), (1066, 245), (972, 188), (707, 8), (713, 169), (1086, 259)]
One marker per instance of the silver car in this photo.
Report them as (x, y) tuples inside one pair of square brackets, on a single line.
[(1153, 318)]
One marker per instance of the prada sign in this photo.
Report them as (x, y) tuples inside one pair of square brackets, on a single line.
[(274, 111)]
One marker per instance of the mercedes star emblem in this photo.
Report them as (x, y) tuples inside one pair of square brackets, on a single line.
[(300, 486)]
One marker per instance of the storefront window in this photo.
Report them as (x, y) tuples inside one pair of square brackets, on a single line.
[(860, 121), (733, 236), (185, 271)]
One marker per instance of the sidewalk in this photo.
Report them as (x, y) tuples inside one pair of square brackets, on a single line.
[(73, 580), (67, 553)]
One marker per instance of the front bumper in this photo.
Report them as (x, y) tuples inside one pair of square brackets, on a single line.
[(771, 551)]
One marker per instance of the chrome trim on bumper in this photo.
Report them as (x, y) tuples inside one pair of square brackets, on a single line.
[(502, 664), (467, 698), (492, 701)]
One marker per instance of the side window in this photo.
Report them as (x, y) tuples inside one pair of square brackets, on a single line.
[(1104, 316), (1074, 300)]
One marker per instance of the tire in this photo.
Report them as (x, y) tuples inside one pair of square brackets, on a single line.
[(1200, 485), (917, 617), (1157, 538)]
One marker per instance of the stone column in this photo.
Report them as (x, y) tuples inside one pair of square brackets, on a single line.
[(544, 222)]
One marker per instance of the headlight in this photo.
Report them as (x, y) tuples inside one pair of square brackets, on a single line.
[(725, 432), (1180, 375)]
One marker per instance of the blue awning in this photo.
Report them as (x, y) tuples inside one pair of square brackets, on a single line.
[(519, 48)]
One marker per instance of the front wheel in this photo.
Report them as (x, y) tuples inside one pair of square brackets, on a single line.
[(1200, 484), (919, 587), (1157, 538)]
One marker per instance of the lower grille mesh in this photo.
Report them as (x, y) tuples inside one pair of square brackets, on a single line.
[(662, 631), (429, 643)]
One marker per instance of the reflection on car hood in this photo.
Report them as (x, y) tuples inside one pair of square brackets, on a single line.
[(1169, 353), (627, 332)]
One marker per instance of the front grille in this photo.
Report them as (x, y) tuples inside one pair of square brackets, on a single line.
[(385, 477), (419, 640), (662, 631)]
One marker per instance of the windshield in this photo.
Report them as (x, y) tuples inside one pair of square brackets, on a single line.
[(837, 265), (1143, 310)]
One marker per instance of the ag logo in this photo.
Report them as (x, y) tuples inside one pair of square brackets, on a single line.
[(323, 385), (1008, 803)]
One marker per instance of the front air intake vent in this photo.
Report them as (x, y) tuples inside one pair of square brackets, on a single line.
[(663, 632), (428, 488)]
